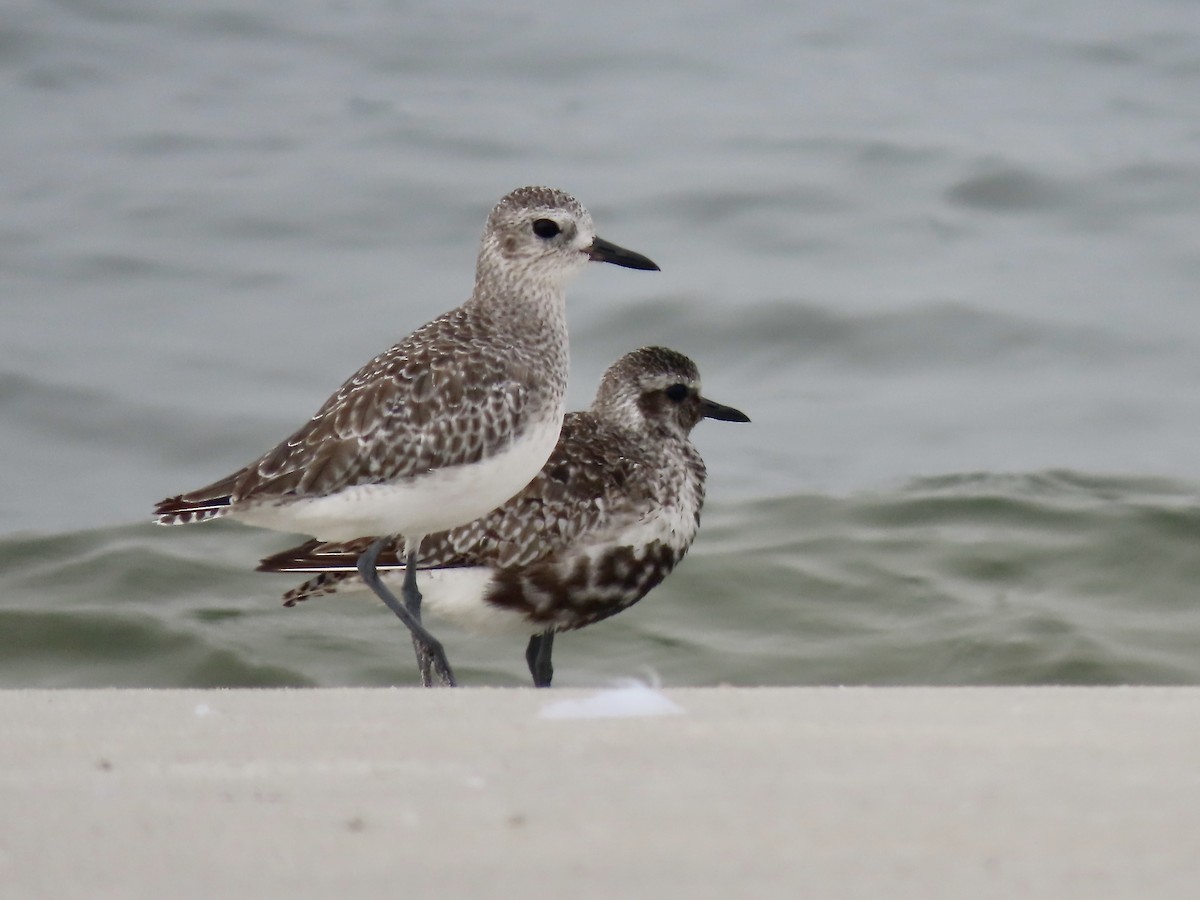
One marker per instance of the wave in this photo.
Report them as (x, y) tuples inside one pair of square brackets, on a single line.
[(979, 578)]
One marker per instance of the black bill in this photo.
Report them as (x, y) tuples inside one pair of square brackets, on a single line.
[(713, 410), (602, 251)]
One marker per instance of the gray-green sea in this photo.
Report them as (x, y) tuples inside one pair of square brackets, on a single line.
[(945, 257)]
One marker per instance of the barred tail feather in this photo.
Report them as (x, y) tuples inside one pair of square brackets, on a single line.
[(335, 564), (210, 502), (320, 556), (178, 511), (325, 583)]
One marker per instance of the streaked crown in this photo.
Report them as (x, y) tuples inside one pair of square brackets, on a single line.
[(536, 234), (658, 390), (652, 386)]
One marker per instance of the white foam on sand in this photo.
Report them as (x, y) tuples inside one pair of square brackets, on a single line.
[(630, 698)]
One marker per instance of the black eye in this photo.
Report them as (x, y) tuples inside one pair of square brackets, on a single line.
[(545, 228), (676, 392)]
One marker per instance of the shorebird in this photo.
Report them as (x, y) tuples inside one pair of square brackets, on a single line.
[(444, 426), (611, 513)]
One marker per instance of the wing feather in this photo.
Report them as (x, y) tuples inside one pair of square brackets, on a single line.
[(581, 494)]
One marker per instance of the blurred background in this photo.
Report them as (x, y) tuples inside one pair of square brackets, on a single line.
[(947, 259)]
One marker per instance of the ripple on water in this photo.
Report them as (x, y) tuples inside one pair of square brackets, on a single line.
[(979, 578)]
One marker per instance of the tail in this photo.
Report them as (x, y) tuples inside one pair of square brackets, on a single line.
[(322, 556), (335, 564), (179, 511), (325, 583), (210, 502)]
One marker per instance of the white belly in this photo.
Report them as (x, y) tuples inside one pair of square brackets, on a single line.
[(443, 499), (455, 596)]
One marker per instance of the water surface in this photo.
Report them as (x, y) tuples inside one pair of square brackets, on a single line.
[(946, 258)]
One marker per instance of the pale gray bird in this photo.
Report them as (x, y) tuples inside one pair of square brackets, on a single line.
[(609, 516), (443, 427)]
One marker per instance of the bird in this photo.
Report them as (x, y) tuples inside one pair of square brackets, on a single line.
[(609, 516), (442, 427)]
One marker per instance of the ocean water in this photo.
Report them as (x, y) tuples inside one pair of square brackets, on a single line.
[(947, 258)]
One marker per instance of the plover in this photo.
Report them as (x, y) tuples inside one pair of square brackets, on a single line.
[(613, 510), (443, 427)]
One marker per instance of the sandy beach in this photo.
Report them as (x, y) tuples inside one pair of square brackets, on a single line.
[(819, 792)]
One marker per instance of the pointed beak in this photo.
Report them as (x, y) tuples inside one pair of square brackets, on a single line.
[(711, 410), (602, 251)]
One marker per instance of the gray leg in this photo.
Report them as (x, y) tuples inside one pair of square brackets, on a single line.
[(412, 601), (537, 655), (430, 654)]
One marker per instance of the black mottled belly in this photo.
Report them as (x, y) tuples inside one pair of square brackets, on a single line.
[(564, 595)]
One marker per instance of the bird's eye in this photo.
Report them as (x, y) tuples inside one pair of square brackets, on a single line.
[(545, 228), (676, 393)]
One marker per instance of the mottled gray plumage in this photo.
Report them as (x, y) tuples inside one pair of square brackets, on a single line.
[(458, 390), (445, 425), (613, 510), (424, 404)]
